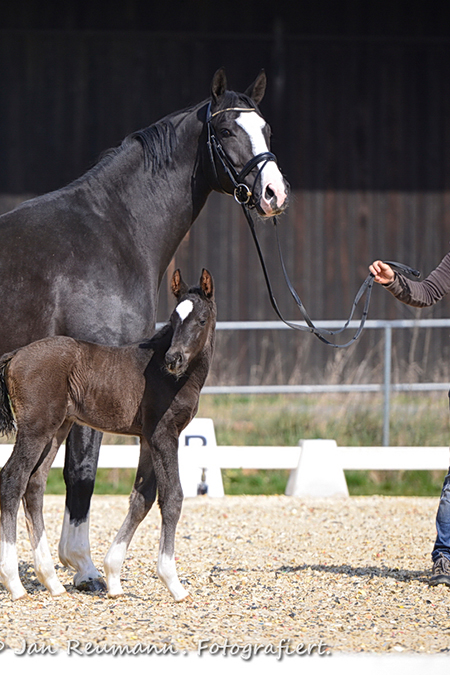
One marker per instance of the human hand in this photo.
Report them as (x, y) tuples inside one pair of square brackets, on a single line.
[(382, 273)]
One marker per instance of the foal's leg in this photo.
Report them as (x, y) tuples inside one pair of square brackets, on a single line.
[(170, 499), (13, 483), (141, 501), (82, 450), (33, 508)]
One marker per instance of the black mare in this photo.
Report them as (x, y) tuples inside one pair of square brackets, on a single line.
[(87, 260), (148, 389)]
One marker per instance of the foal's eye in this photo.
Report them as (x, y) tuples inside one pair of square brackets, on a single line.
[(225, 133), (202, 322)]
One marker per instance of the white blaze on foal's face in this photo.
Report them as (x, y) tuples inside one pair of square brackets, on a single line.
[(184, 309), (253, 124)]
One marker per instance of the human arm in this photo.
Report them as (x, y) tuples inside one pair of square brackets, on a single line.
[(416, 293)]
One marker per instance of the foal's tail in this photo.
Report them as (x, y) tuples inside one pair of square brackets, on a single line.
[(7, 423)]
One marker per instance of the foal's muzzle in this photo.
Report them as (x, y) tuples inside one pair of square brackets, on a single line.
[(175, 363)]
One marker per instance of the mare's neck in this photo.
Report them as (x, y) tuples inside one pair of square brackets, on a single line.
[(158, 204)]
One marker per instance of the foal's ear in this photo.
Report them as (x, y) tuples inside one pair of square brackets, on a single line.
[(257, 90), (219, 85), (207, 284), (178, 286)]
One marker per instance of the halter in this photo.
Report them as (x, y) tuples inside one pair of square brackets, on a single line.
[(241, 192)]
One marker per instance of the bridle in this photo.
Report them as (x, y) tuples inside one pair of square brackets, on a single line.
[(245, 197), (243, 194)]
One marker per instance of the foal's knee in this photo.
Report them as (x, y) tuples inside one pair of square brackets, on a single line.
[(34, 492), (170, 502), (12, 487), (140, 503)]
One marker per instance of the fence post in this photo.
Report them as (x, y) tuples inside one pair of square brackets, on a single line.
[(387, 382)]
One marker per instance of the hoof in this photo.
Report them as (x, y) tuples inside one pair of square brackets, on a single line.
[(59, 594), (116, 593), (21, 598), (91, 586), (186, 598)]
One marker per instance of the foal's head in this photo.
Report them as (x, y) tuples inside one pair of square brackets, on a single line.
[(193, 321)]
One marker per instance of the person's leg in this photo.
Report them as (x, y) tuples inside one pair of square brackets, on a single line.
[(441, 550)]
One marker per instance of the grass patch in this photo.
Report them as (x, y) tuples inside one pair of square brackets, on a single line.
[(249, 482), (349, 419), (395, 483), (108, 482)]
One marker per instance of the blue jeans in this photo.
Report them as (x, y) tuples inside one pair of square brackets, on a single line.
[(442, 544)]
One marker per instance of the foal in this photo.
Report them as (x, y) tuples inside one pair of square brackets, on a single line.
[(149, 389)]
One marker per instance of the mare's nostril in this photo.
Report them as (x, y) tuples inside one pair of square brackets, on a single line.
[(270, 194)]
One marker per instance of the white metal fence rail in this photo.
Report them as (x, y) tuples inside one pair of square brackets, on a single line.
[(386, 387)]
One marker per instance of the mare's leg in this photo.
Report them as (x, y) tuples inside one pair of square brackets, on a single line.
[(80, 467), (141, 501), (33, 507), (170, 500), (13, 483)]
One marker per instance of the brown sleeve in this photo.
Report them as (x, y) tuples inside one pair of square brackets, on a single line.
[(423, 293)]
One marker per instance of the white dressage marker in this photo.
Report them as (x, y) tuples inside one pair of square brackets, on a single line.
[(197, 457)]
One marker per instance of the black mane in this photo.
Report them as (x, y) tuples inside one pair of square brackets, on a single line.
[(159, 140), (158, 143)]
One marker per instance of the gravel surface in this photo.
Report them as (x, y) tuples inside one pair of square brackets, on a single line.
[(351, 574)]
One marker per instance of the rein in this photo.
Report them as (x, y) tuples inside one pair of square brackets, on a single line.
[(366, 287), (245, 197)]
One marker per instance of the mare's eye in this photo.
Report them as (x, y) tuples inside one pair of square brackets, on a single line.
[(202, 322), (225, 133)]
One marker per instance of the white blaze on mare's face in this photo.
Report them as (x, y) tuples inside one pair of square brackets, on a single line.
[(253, 124), (184, 309)]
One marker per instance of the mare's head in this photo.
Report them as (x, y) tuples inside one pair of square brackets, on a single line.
[(193, 322), (239, 147)]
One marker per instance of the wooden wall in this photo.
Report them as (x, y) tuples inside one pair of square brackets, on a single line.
[(361, 128)]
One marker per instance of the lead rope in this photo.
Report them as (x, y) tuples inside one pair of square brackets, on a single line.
[(366, 287)]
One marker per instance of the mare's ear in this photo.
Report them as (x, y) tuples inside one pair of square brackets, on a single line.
[(207, 284), (178, 286), (219, 85), (257, 90)]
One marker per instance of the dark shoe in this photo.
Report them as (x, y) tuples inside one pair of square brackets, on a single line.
[(441, 571)]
